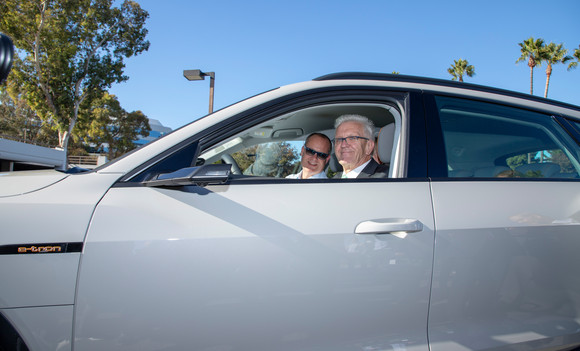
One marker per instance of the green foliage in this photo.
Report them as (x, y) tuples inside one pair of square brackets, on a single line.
[(68, 51), (516, 161), (560, 158), (19, 122), (104, 123), (533, 51), (245, 158), (556, 156), (576, 55), (459, 68), (554, 54)]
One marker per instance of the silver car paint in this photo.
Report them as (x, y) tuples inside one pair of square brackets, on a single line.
[(43, 328), (38, 297), (505, 273), (271, 266)]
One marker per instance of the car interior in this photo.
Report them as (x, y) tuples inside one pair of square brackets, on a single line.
[(498, 143), (276, 143)]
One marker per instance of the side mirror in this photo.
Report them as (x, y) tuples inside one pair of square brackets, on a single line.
[(200, 175), (6, 56)]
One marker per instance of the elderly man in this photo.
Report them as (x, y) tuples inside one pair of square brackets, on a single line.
[(315, 156), (354, 145)]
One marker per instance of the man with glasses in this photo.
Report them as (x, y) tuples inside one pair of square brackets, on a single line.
[(354, 145), (315, 156)]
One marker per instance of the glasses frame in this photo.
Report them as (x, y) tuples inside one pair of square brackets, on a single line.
[(319, 155), (349, 139)]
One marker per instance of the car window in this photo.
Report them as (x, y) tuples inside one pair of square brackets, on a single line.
[(272, 148), (487, 140)]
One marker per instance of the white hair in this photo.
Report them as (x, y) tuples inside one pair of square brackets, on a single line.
[(368, 125)]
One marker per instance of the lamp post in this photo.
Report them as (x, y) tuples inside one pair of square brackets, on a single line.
[(196, 74)]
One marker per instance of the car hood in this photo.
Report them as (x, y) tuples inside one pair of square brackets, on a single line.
[(22, 182)]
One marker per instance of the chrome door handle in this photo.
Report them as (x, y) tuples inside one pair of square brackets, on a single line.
[(389, 226)]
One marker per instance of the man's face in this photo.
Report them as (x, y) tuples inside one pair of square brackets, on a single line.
[(351, 154), (313, 162)]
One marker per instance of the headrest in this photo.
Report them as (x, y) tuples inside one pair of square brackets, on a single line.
[(546, 169), (385, 140)]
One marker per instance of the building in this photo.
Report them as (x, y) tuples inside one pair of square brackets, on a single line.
[(19, 156), (157, 130)]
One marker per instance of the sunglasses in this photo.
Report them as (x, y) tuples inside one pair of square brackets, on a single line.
[(310, 152)]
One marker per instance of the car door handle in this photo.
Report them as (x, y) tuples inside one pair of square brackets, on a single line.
[(389, 226)]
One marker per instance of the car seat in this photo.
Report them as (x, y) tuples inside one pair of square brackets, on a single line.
[(539, 170), (384, 145)]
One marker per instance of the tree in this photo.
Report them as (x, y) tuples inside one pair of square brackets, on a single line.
[(576, 55), (69, 51), (459, 68), (105, 124), (532, 51), (19, 122), (554, 54)]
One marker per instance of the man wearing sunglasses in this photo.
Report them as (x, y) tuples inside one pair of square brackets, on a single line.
[(315, 156), (354, 145)]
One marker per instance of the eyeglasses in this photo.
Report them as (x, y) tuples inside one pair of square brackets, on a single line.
[(348, 139), (310, 152)]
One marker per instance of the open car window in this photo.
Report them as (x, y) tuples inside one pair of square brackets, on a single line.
[(272, 149)]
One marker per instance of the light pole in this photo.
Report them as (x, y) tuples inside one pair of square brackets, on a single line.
[(196, 74)]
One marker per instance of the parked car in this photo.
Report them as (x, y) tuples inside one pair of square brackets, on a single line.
[(471, 243)]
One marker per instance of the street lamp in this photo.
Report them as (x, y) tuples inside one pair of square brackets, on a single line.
[(196, 74)]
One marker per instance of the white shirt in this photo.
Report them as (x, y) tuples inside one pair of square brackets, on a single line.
[(298, 175), (355, 172)]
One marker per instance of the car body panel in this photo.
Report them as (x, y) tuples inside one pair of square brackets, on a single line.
[(18, 183), (256, 267), (504, 274), (59, 214), (54, 274), (43, 328)]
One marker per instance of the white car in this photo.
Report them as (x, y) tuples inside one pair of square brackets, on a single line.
[(470, 243)]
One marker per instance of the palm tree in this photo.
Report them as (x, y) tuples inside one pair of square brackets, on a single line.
[(554, 54), (574, 64), (459, 68), (533, 51)]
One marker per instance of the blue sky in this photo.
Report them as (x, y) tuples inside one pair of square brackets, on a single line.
[(254, 46)]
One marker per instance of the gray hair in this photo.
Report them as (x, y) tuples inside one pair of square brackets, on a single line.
[(368, 125)]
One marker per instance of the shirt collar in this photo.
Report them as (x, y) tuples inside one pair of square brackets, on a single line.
[(355, 172)]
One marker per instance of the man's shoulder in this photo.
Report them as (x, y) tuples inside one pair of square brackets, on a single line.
[(375, 170)]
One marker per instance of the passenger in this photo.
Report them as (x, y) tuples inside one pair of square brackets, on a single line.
[(354, 145), (315, 156)]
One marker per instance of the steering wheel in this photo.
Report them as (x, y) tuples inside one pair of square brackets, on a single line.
[(227, 158)]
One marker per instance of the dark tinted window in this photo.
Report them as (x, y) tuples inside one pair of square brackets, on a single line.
[(488, 140)]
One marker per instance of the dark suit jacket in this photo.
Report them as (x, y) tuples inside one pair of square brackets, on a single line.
[(372, 170)]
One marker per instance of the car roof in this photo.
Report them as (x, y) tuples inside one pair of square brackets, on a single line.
[(385, 77)]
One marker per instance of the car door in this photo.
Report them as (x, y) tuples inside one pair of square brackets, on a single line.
[(265, 263), (507, 204)]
